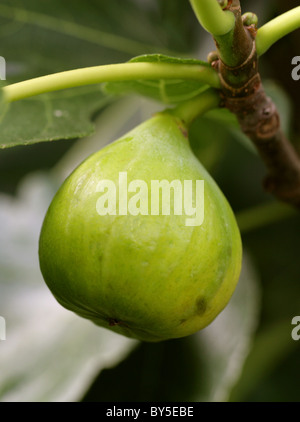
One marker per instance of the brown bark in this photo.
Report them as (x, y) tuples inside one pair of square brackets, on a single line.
[(243, 94)]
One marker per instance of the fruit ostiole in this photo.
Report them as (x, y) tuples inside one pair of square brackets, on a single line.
[(117, 248)]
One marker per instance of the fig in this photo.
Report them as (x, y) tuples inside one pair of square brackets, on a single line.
[(140, 239)]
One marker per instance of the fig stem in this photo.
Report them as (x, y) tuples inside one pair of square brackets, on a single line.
[(212, 18), (277, 28), (110, 73), (191, 109)]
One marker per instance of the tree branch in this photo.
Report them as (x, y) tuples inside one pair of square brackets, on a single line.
[(244, 95)]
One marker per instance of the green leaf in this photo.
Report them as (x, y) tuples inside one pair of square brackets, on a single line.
[(226, 344), (161, 58), (49, 117), (259, 365), (271, 372), (40, 38), (166, 91)]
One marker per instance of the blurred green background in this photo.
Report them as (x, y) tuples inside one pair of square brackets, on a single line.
[(256, 360)]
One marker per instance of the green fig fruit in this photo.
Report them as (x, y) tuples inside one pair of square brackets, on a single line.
[(136, 260)]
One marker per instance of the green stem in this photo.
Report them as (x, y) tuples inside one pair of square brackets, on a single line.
[(191, 109), (277, 28), (212, 17), (109, 73), (263, 215)]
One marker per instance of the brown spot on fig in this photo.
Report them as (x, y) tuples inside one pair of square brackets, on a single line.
[(112, 322), (201, 305)]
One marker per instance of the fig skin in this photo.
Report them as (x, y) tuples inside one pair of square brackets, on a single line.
[(148, 277)]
